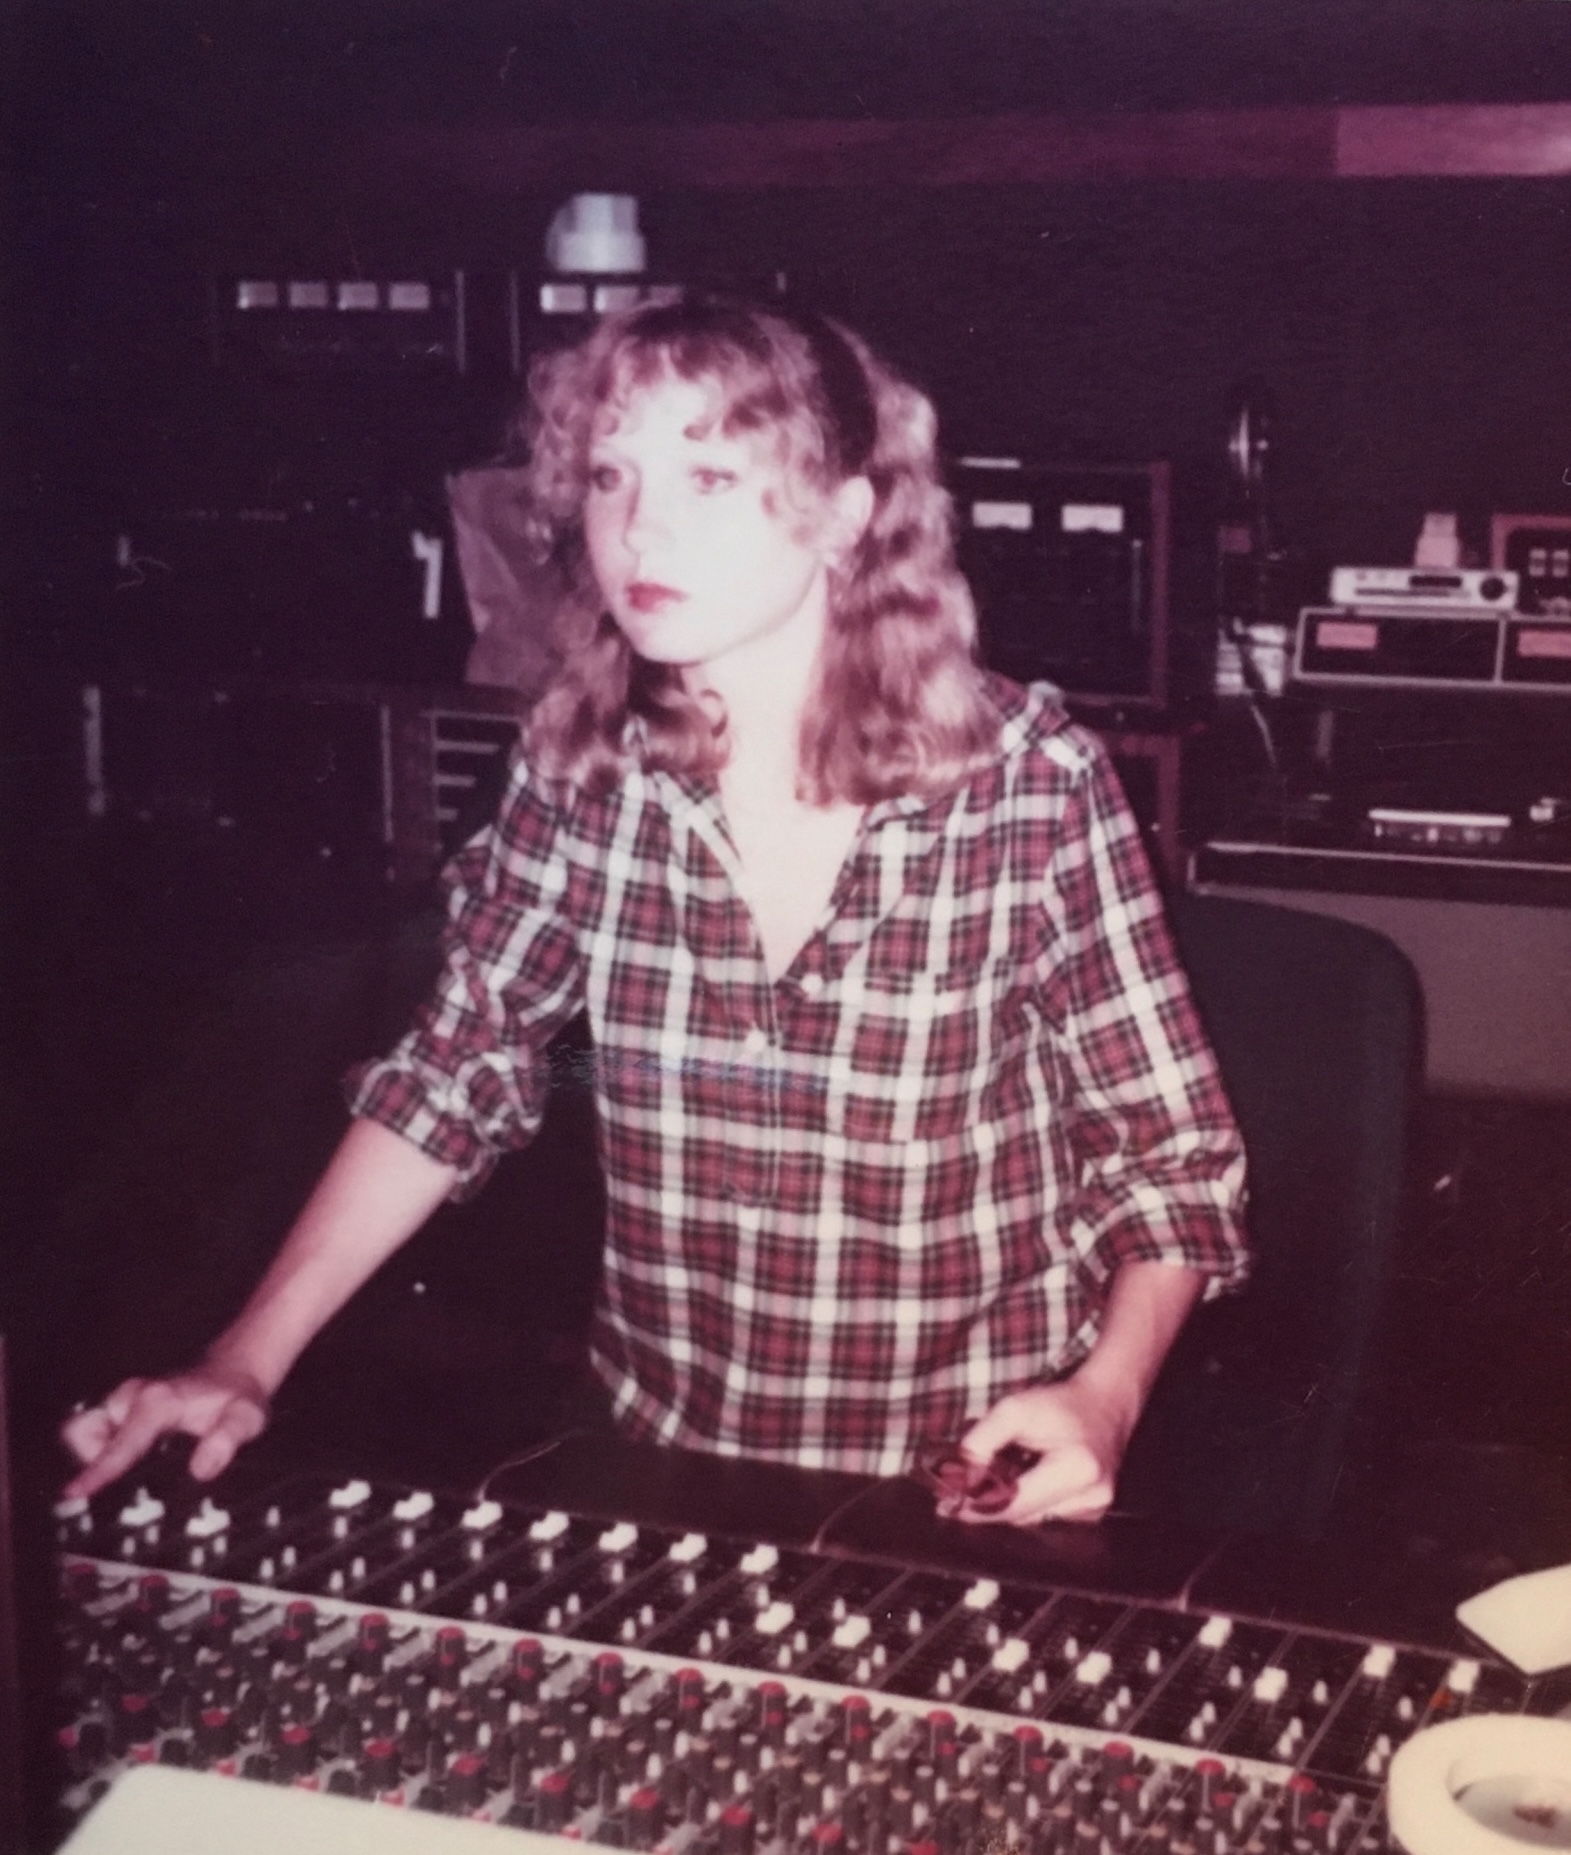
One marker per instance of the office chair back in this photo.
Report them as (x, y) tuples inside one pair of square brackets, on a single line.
[(1317, 1025)]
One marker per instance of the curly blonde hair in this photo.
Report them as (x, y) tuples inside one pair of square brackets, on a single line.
[(902, 705)]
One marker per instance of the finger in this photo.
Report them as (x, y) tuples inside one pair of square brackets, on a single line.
[(993, 1432), (150, 1417), (122, 1400), (240, 1422), (85, 1433), (1066, 1484)]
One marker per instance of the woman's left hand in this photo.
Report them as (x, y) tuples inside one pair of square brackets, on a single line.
[(1080, 1433)]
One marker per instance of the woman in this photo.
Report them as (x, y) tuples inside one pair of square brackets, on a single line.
[(908, 1126)]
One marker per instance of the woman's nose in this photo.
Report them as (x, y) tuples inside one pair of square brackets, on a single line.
[(644, 519)]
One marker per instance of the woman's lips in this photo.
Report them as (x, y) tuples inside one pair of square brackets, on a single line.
[(650, 596)]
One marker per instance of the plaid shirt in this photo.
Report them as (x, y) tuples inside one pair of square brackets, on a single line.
[(849, 1209)]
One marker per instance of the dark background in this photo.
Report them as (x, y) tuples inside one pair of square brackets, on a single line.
[(172, 1044)]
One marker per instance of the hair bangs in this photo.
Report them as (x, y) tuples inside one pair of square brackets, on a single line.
[(759, 390)]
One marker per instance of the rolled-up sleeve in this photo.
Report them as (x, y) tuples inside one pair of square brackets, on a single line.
[(1160, 1158), (469, 1080)]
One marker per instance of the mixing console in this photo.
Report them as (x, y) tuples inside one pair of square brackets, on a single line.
[(656, 1690)]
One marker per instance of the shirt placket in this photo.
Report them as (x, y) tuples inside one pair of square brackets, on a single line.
[(751, 1177)]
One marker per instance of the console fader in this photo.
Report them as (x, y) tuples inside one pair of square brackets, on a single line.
[(674, 1692)]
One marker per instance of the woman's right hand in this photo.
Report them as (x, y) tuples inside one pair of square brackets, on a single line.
[(221, 1406)]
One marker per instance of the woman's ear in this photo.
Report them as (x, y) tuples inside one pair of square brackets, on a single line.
[(850, 511)]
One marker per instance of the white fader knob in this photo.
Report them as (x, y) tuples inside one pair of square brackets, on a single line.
[(779, 1616), (1215, 1632), (146, 1510), (852, 1633), (207, 1522)]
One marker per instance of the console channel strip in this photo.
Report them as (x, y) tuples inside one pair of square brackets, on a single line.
[(665, 1691)]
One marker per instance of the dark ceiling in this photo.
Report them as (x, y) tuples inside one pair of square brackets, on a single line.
[(194, 85)]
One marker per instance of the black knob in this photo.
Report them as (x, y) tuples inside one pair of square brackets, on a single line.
[(462, 1729), (223, 1613), (689, 1684), (466, 1783), (1028, 1745), (250, 1707), (379, 1765), (1303, 1796), (295, 1753), (721, 1776), (337, 1731), (452, 1651), (528, 1663), (736, 1830), (548, 1741), (1209, 1772), (136, 1721), (370, 1651), (645, 1817), (293, 1641), (152, 1593), (69, 1741), (334, 1674), (609, 1678), (856, 1716), (553, 1800), (300, 1695), (772, 1708), (414, 1745), (943, 1741)]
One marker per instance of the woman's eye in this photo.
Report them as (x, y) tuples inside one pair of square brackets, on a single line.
[(709, 478), (604, 477)]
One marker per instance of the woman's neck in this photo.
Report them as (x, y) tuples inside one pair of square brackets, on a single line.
[(763, 695)]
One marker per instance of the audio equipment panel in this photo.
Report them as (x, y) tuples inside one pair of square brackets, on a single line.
[(1070, 568), (1537, 549), (315, 323), (652, 1689), (1466, 649), (1425, 589)]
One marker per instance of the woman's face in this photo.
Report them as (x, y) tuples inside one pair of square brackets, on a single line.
[(703, 548)]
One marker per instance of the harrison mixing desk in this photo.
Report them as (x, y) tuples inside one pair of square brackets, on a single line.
[(829, 1669)]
